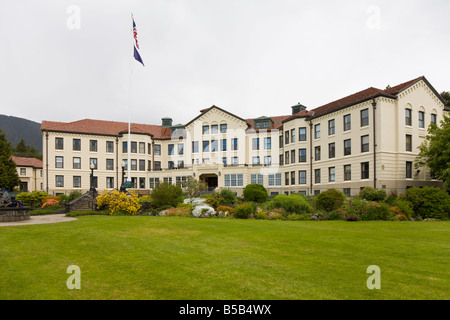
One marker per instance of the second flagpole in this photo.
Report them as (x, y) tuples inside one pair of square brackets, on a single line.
[(129, 105)]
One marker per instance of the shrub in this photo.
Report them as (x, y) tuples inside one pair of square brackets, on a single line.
[(391, 197), (330, 200), (405, 207), (336, 215), (377, 211), (118, 203), (255, 192), (299, 217), (260, 214), (227, 197), (429, 202), (243, 211), (293, 203), (225, 209), (187, 206), (74, 194), (175, 212), (165, 194), (51, 204), (372, 194), (32, 199)]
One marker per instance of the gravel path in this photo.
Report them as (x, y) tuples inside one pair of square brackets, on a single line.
[(49, 218)]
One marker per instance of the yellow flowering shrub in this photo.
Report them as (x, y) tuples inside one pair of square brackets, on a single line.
[(116, 201)]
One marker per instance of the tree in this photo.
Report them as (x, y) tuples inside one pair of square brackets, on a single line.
[(8, 173), (446, 96), (255, 192), (435, 151), (194, 187), (166, 195), (22, 150)]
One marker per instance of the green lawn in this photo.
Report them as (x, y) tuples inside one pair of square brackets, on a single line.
[(187, 258)]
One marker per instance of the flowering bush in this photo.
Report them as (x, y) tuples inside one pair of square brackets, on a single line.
[(175, 212), (260, 214), (201, 209), (50, 203), (273, 215), (116, 202)]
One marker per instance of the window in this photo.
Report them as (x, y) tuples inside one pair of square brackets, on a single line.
[(331, 174), (141, 165), (365, 170), (275, 179), (281, 162), (141, 147), (255, 143), (181, 148), (286, 137), (205, 146), (149, 148), (292, 177), (93, 145), (364, 117), (194, 146), (157, 165), (286, 157), (331, 127), (408, 119), (408, 169), (408, 142), (214, 128), (59, 162), (317, 176), (157, 149), (205, 129), (23, 171), (223, 128), (125, 164), (268, 143), (347, 191), (110, 146), (347, 172), (180, 164), (76, 163), (317, 131), (267, 160), (317, 153), (224, 161), (347, 147), (134, 164), (302, 177), (171, 165), (124, 147), (281, 141), (347, 122), (168, 180), (109, 164), (94, 162), (421, 119), (257, 178), (365, 143), (301, 155), (302, 134), (141, 183), (234, 161), (76, 145), (59, 181), (152, 182), (171, 150), (256, 161), (234, 144), (292, 135), (433, 118), (292, 156), (331, 150), (234, 180), (109, 182), (134, 182), (223, 144), (59, 143), (77, 181), (286, 178)]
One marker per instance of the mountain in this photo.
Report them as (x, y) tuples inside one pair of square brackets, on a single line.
[(19, 128)]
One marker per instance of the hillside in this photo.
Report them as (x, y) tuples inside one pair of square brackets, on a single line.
[(19, 128)]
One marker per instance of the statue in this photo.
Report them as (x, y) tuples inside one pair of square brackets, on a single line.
[(5, 199)]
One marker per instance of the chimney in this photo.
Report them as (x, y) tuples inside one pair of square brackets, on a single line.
[(297, 108), (166, 122)]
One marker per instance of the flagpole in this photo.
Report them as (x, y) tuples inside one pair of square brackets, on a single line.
[(129, 103)]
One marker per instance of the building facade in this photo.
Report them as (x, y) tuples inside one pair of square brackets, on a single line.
[(370, 138), (31, 173)]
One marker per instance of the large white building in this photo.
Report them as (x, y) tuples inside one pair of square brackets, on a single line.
[(369, 138)]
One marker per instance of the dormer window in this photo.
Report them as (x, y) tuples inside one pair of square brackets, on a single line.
[(263, 123)]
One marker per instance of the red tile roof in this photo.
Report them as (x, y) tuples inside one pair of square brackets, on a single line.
[(102, 127), (27, 162)]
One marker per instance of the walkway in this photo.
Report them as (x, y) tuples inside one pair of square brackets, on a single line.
[(48, 218)]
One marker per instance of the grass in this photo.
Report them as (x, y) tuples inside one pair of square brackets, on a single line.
[(145, 257)]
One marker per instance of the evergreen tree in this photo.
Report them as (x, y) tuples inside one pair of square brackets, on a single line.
[(22, 150), (8, 173)]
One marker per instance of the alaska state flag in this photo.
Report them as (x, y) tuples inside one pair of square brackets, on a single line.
[(137, 56)]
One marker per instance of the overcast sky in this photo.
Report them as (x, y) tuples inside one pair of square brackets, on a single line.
[(70, 60)]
